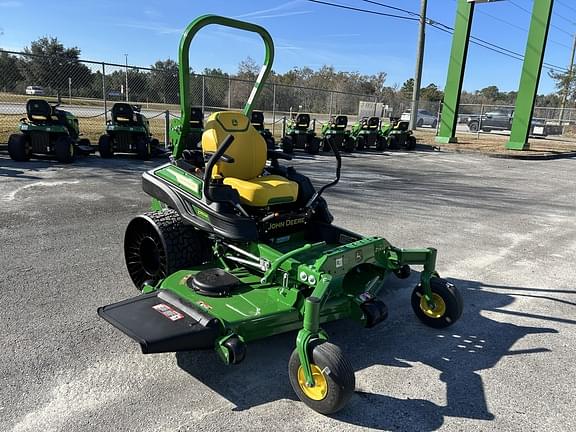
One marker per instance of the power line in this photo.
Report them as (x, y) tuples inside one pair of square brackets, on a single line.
[(440, 26), (566, 6), (552, 25), (392, 7), (364, 10), (511, 24)]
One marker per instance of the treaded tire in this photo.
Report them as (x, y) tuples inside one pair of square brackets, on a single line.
[(143, 148), (287, 144), (451, 298), (473, 126), (156, 244), (313, 146), (64, 149), (393, 143), (105, 146), (349, 145), (360, 142), (381, 143), (336, 370), (18, 148), (411, 143)]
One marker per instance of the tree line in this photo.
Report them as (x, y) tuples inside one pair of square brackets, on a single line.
[(54, 67)]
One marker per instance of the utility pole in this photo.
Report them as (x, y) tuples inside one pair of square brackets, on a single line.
[(126, 73), (419, 63), (568, 81)]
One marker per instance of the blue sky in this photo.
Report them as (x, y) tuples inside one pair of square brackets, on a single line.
[(305, 34)]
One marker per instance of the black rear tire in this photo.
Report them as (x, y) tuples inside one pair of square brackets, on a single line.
[(143, 148), (313, 145), (349, 145), (105, 146), (411, 143), (287, 144), (360, 142), (473, 126), (334, 370), (381, 143), (157, 244), (64, 149), (19, 148)]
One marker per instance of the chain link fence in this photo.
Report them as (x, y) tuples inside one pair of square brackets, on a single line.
[(88, 89)]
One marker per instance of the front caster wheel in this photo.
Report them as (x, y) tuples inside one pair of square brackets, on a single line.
[(236, 350), (447, 304), (403, 272), (334, 380)]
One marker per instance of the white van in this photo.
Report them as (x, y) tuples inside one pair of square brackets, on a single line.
[(35, 90)]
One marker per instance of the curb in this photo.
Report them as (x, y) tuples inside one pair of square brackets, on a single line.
[(533, 157)]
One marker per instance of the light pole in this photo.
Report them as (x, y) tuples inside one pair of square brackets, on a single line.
[(419, 63), (126, 73)]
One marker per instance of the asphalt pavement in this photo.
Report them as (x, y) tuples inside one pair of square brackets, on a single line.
[(505, 231)]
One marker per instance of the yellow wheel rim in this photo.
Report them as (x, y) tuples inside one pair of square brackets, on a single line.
[(439, 308), (320, 389)]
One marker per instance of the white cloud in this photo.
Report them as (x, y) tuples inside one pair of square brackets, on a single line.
[(11, 4), (276, 12)]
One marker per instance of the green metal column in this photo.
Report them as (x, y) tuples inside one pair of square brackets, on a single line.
[(458, 54), (531, 71)]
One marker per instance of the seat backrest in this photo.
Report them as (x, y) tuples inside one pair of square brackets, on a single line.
[(373, 122), (196, 118), (302, 121), (38, 110), (257, 120), (248, 149), (123, 113), (341, 121)]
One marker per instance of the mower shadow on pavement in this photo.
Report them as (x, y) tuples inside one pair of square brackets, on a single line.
[(121, 164), (474, 344)]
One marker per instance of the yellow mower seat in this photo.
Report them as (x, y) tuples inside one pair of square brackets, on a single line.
[(249, 153)]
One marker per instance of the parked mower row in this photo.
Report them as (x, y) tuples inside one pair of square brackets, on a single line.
[(366, 133), (49, 130)]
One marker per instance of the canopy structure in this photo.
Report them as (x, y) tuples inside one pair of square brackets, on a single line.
[(531, 70)]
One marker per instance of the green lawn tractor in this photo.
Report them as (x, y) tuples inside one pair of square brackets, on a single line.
[(194, 131), (47, 130), (299, 135), (397, 134), (236, 249), (367, 135), (128, 132), (257, 121), (335, 131)]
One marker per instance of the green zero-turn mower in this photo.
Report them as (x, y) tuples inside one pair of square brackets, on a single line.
[(257, 121), (299, 135), (128, 132), (236, 249), (47, 130), (335, 131), (397, 134), (194, 131), (367, 135)]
